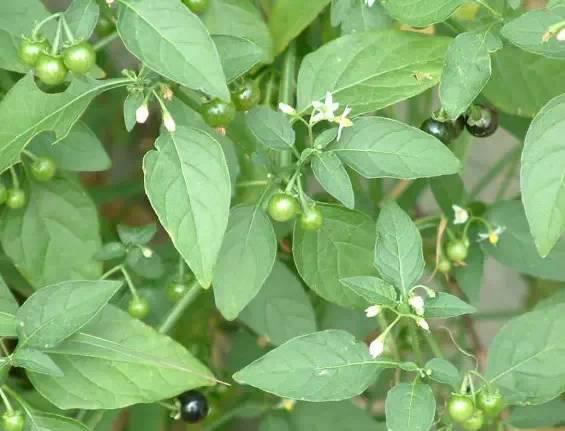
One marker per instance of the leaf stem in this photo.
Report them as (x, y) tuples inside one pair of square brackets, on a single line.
[(68, 32), (178, 310), (286, 91), (488, 7), (57, 40), (111, 272), (36, 29), (15, 181), (4, 349), (105, 41), (30, 155), (129, 281), (6, 401), (415, 342), (181, 269)]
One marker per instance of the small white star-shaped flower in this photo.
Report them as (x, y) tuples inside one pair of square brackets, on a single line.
[(492, 236), (373, 311), (377, 347), (142, 114), (343, 121), (418, 305), (461, 215), (325, 110), (287, 109)]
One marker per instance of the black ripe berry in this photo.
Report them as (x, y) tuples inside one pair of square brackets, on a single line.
[(193, 406), (482, 121), (442, 130)]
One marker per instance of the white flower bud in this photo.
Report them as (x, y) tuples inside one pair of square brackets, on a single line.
[(287, 109), (560, 36), (169, 122), (423, 324), (373, 311), (461, 215), (376, 348), (142, 114), (417, 304)]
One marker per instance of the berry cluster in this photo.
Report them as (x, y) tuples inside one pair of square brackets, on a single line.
[(473, 412)]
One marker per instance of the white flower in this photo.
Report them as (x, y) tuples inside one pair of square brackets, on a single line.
[(325, 110), (370, 3), (169, 122), (142, 113), (343, 121), (423, 324), (560, 36), (492, 236), (417, 304), (373, 311), (146, 252), (287, 109), (377, 347), (461, 215)]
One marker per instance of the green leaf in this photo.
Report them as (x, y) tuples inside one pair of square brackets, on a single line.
[(19, 17), (421, 13), (341, 416), (410, 407), (36, 361), (374, 290), (525, 359), (56, 312), (355, 16), (516, 248), (448, 190), (41, 421), (238, 55), (381, 147), (466, 72), (188, 184), (445, 305), (323, 366), (9, 59), (543, 188), (168, 30), (109, 369), (343, 247), (352, 321), (136, 235), (110, 251), (82, 16), (528, 32), (281, 310), (540, 79), (54, 238), (398, 249), (26, 111), (445, 372), (146, 266), (290, 17), (333, 177), (270, 128), (131, 105), (546, 415), (8, 310), (249, 250), (80, 151), (372, 70)]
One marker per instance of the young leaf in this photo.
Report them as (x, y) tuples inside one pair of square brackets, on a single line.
[(372, 70), (398, 250), (342, 248), (109, 369), (421, 13), (525, 360), (381, 147), (136, 235), (82, 16), (270, 128), (281, 310), (543, 188), (56, 312), (131, 105), (443, 371), (445, 305), (188, 184), (466, 72), (245, 260), (54, 238), (410, 407), (333, 177), (372, 289), (8, 310), (36, 361), (341, 416), (323, 366), (153, 31)]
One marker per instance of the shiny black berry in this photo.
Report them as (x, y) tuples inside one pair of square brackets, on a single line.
[(193, 406), (482, 121), (442, 130)]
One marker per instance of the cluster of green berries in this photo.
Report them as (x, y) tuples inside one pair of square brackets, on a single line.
[(472, 415), (244, 96), (283, 207), (481, 121)]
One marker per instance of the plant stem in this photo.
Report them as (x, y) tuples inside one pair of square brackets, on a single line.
[(68, 32), (181, 269), (434, 345), (57, 40), (110, 272), (35, 31), (286, 91), (6, 402), (4, 349), (105, 41), (129, 281), (509, 176), (413, 330), (15, 181), (178, 310), (490, 9), (30, 155)]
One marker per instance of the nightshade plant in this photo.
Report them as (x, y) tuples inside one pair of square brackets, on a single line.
[(255, 251)]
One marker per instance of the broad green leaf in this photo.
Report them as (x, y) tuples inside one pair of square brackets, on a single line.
[(8, 310), (333, 177), (342, 248), (36, 361), (188, 184), (355, 16), (19, 17), (26, 111), (421, 13), (410, 407), (541, 176), (56, 312), (290, 17), (516, 248), (470, 276), (107, 368), (540, 79), (80, 151), (238, 55), (445, 305), (549, 415), (54, 238), (341, 416), (41, 421), (281, 310), (170, 31), (82, 16), (381, 147), (270, 128), (398, 249), (374, 290), (9, 59), (525, 360), (466, 72), (443, 371), (528, 32), (323, 366), (136, 235), (371, 70), (249, 250)]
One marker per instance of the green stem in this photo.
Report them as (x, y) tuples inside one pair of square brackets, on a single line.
[(110, 272), (36, 29), (57, 39), (105, 41), (257, 183), (181, 269), (286, 91), (180, 307), (490, 9), (269, 90), (230, 414), (415, 342), (30, 155), (15, 181), (6, 401), (434, 345), (4, 348), (383, 324), (68, 32), (129, 282)]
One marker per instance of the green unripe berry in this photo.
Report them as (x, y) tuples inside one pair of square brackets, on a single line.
[(16, 199), (138, 307), (283, 207), (43, 169)]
